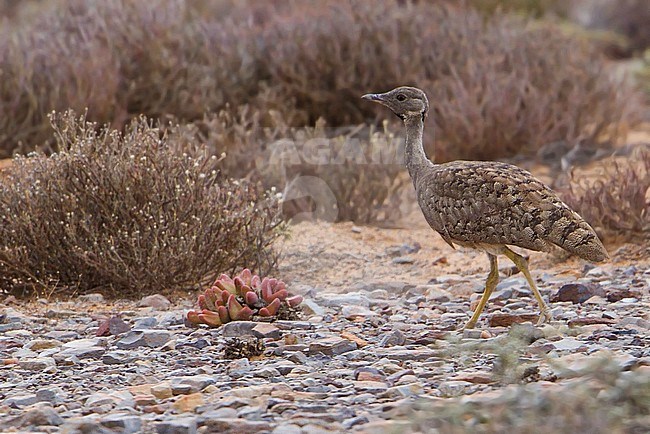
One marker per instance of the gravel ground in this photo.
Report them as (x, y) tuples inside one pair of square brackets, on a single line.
[(376, 350)]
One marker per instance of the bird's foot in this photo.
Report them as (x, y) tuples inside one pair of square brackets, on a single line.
[(544, 316)]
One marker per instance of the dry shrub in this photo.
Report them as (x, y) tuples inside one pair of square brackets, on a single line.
[(128, 214), (337, 174), (628, 18), (498, 84), (119, 59), (618, 200)]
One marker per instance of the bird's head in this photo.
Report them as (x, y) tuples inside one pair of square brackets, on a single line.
[(404, 101)]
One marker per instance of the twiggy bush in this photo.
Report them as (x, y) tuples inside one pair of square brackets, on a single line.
[(128, 214), (498, 84), (616, 201), (342, 174), (119, 59)]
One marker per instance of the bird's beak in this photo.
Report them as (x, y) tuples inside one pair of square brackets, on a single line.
[(372, 97)]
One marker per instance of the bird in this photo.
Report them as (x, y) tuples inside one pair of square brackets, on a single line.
[(487, 205)]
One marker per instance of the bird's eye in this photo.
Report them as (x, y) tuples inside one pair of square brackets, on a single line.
[(401, 97)]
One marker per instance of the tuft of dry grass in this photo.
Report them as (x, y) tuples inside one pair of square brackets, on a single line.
[(128, 214), (618, 200)]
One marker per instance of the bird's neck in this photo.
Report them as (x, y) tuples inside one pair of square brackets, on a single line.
[(414, 154)]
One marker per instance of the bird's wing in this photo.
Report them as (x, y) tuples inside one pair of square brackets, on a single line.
[(498, 203)]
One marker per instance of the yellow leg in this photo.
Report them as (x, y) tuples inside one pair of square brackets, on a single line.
[(490, 284), (522, 264)]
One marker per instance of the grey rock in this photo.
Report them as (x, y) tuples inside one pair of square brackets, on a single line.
[(635, 321), (392, 338), (266, 372), (357, 420), (22, 400), (401, 260), (235, 329), (145, 323), (193, 383), (118, 357), (501, 294), (38, 364), (54, 395), (578, 292), (156, 301), (236, 425), (41, 415), (186, 425), (266, 331), (124, 422), (91, 298), (352, 312), (121, 398), (287, 428), (454, 387), (347, 299), (80, 353), (332, 346), (568, 344), (144, 338)]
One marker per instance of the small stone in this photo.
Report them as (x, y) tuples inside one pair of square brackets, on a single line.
[(635, 322), (287, 428), (38, 364), (236, 425), (118, 357), (146, 399), (147, 322), (393, 338), (454, 388), (92, 298), (332, 346), (578, 292), (42, 344), (503, 294), (401, 260), (368, 373), (40, 415), (189, 384), (507, 319), (156, 301), (189, 403), (124, 422), (568, 344), (162, 390), (236, 329), (266, 331), (185, 425), (122, 398), (357, 420), (112, 326), (596, 300), (354, 338), (356, 229), (143, 338), (18, 401), (404, 391), (354, 312), (370, 386)]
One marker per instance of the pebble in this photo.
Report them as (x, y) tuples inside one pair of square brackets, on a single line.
[(143, 338), (155, 301), (356, 362)]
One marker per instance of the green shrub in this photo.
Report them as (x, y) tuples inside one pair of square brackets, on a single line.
[(128, 214)]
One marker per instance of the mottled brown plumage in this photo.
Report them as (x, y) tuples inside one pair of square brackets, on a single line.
[(487, 205)]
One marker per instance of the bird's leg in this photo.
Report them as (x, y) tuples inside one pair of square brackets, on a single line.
[(490, 284), (522, 264)]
